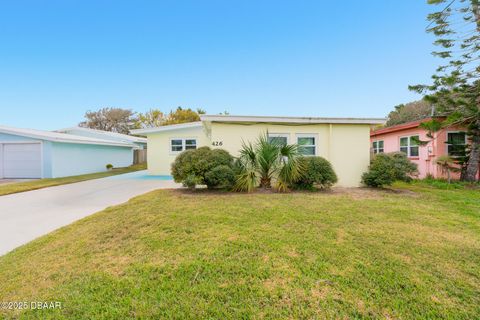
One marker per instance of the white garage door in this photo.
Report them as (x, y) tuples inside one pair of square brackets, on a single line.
[(22, 160)]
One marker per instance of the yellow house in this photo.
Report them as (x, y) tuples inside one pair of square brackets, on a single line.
[(345, 142)]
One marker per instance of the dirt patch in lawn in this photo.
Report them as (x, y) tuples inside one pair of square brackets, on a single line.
[(367, 193), (355, 193)]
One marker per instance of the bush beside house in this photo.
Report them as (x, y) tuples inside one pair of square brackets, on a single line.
[(264, 164), (204, 166), (317, 172), (386, 168)]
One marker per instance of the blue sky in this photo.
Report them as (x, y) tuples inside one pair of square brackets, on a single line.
[(59, 59)]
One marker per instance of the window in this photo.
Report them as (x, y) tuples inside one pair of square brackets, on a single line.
[(410, 145), (278, 138), (307, 145), (190, 144), (377, 146), (179, 144), (456, 144)]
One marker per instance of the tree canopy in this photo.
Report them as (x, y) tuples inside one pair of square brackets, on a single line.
[(455, 87), (110, 119), (123, 120), (150, 119), (181, 115), (156, 118), (411, 111)]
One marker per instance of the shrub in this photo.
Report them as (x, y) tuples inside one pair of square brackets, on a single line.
[(204, 166), (109, 166), (191, 181), (222, 176), (387, 168), (317, 172), (265, 161)]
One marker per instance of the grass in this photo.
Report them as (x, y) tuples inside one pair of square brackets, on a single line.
[(352, 254), (16, 187), (443, 184)]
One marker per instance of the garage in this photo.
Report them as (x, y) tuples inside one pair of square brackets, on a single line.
[(21, 160), (34, 154)]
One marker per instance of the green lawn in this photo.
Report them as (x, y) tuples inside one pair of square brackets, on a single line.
[(409, 254), (44, 183)]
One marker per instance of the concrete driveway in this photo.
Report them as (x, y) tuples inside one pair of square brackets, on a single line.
[(28, 215)]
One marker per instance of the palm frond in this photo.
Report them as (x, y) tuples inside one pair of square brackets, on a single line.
[(267, 159), (246, 181), (291, 166), (248, 153)]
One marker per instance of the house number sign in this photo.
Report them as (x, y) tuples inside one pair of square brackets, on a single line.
[(217, 143)]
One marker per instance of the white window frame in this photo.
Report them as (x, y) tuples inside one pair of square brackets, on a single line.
[(308, 135), (409, 145), (377, 148), (279, 135), (448, 144), (184, 139)]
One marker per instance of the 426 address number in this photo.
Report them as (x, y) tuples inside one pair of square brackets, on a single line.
[(217, 143)]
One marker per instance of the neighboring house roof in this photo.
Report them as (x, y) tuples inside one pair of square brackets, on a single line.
[(398, 127), (168, 128), (59, 137), (107, 134), (291, 120)]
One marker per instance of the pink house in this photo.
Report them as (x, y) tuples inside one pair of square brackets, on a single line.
[(405, 137)]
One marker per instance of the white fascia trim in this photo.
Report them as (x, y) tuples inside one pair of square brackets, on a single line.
[(66, 140), (305, 120), (105, 133), (168, 128), (126, 145)]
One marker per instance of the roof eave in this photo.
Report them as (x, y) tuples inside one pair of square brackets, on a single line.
[(401, 127), (53, 139), (106, 133), (167, 128), (126, 145), (291, 120)]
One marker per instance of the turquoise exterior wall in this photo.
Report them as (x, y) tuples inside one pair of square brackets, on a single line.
[(70, 159), (47, 159), (11, 138)]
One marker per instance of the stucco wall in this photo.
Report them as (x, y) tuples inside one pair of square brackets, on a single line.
[(345, 146), (159, 156), (47, 159), (70, 159), (231, 135), (428, 153)]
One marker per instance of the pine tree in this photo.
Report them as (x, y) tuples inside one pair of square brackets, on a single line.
[(455, 90)]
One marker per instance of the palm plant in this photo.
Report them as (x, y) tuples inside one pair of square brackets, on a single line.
[(268, 161)]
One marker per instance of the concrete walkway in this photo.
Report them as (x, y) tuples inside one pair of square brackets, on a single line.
[(28, 215)]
